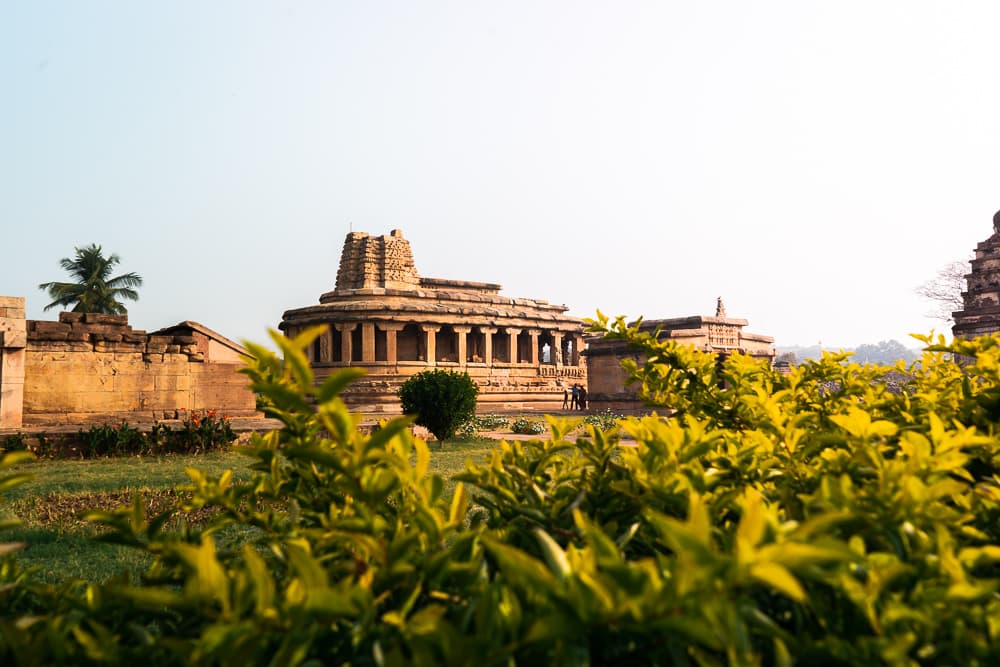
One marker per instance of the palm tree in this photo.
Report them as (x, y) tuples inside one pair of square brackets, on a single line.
[(94, 291)]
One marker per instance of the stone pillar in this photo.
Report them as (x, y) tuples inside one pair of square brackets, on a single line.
[(430, 331), (346, 349), (390, 339), (577, 349), (512, 335), (367, 342), (325, 347), (534, 333), (557, 348), (488, 344), (13, 339), (463, 341)]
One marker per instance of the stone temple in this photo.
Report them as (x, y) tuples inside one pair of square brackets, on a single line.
[(387, 319), (980, 315), (719, 334)]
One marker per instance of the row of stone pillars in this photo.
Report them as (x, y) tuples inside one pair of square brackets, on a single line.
[(363, 335)]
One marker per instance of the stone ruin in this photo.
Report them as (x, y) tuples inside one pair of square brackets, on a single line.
[(720, 334), (381, 316), (93, 368), (980, 315), (384, 317)]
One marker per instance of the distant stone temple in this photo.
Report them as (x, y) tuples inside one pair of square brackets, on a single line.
[(387, 319), (92, 368), (980, 315), (720, 334)]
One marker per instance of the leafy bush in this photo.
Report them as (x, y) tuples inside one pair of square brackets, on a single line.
[(41, 445), (479, 423), (111, 440), (198, 433), (15, 443), (810, 518), (526, 426), (604, 420), (472, 428), (490, 422), (440, 400)]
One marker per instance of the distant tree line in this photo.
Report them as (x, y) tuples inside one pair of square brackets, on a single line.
[(883, 352)]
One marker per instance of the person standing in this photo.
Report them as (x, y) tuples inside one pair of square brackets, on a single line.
[(575, 395), (565, 397), (581, 398)]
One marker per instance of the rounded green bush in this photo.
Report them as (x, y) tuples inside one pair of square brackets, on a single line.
[(440, 400)]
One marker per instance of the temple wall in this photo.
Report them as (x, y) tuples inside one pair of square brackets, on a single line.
[(606, 377), (980, 314), (606, 382), (12, 342), (93, 368)]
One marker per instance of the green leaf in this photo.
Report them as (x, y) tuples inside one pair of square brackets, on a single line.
[(519, 566), (800, 554), (263, 583), (388, 431), (10, 481), (752, 524), (7, 548), (779, 578), (336, 382), (554, 554), (459, 504)]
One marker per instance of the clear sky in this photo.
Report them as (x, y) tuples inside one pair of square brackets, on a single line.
[(810, 162)]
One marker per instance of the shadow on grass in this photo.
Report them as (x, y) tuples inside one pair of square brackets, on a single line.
[(66, 555)]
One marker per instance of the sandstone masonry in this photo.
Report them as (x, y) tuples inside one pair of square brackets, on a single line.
[(13, 339), (94, 368), (980, 315), (384, 317), (720, 334)]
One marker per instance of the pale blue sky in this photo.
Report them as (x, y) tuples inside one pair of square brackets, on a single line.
[(810, 162)]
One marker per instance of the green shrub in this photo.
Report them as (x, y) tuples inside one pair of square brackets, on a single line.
[(604, 420), (199, 432), (815, 518), (112, 440), (490, 422), (15, 443), (527, 426), (479, 423), (440, 400)]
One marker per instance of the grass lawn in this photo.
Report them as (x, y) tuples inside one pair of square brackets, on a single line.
[(63, 547)]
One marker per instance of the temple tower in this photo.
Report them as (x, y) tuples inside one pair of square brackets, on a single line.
[(376, 261), (980, 315)]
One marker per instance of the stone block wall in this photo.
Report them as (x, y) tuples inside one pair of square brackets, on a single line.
[(13, 339), (94, 368), (606, 381)]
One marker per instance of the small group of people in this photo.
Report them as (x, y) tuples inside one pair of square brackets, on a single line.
[(575, 397)]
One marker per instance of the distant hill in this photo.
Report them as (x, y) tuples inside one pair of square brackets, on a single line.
[(884, 352)]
